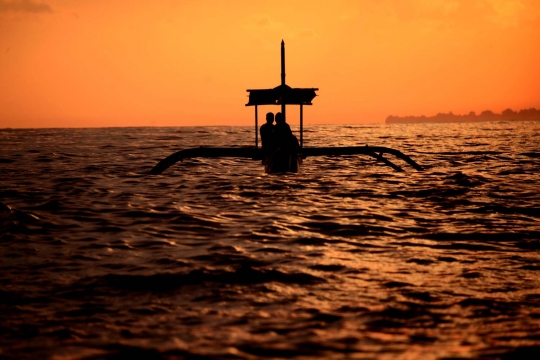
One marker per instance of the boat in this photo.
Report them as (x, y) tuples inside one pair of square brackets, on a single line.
[(283, 159)]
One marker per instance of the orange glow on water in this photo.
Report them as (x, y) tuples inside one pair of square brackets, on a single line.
[(133, 63)]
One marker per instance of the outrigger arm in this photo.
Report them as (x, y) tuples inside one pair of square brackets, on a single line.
[(204, 152), (255, 154), (365, 150)]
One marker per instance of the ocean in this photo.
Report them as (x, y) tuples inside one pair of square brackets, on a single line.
[(214, 259)]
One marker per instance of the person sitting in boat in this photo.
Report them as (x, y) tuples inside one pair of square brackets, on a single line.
[(284, 136), (267, 135)]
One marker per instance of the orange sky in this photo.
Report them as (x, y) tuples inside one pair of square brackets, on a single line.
[(89, 63)]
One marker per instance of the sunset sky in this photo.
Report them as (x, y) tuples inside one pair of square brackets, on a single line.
[(93, 63)]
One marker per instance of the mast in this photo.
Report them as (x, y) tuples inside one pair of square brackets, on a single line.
[(282, 62), (283, 80)]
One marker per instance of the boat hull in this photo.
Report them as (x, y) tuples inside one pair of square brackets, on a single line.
[(282, 161)]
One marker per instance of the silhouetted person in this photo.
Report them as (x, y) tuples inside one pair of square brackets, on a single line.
[(284, 136), (267, 135)]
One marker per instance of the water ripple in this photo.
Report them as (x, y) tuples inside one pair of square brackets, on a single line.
[(215, 259)]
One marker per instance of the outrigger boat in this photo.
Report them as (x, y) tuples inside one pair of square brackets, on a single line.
[(280, 160)]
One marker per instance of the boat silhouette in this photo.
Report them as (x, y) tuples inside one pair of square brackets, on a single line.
[(283, 159)]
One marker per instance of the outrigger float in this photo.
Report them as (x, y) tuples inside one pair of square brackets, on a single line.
[(279, 162)]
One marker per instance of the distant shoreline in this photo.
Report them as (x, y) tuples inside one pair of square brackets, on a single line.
[(531, 114)]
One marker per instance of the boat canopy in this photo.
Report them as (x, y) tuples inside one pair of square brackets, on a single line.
[(282, 94)]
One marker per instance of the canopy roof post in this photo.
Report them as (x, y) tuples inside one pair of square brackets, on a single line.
[(256, 128), (301, 126)]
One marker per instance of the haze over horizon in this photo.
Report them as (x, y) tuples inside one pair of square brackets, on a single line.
[(177, 63)]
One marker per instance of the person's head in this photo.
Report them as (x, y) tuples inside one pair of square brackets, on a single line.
[(279, 119), (269, 117)]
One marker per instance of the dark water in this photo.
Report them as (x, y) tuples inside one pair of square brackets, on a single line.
[(215, 259)]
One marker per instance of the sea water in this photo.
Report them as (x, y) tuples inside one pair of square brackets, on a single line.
[(216, 259)]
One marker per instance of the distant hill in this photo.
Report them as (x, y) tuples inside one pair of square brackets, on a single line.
[(488, 115)]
